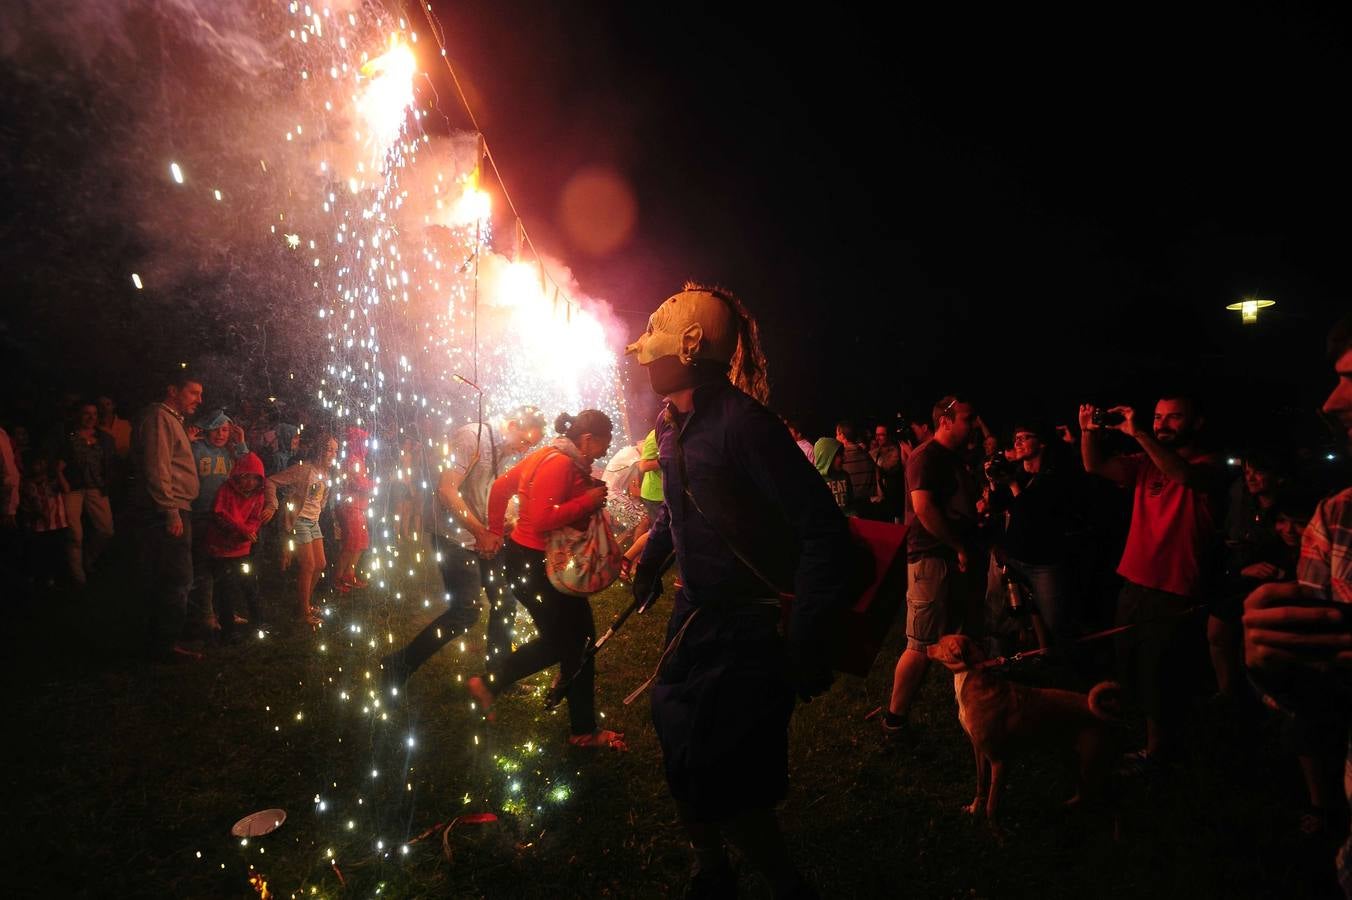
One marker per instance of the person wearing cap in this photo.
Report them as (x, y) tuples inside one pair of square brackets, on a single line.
[(214, 454), (747, 522)]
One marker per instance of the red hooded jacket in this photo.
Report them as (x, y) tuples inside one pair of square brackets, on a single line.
[(236, 515)]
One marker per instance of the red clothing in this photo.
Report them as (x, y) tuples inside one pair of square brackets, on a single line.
[(236, 515), (356, 533), (1172, 528), (553, 494), (357, 486)]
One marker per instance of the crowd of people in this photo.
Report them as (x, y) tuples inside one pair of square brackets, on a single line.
[(1218, 574)]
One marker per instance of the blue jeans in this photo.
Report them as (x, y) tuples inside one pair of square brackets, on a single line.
[(464, 573), (1049, 586)]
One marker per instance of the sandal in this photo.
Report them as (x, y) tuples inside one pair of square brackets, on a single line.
[(598, 739), (482, 696)]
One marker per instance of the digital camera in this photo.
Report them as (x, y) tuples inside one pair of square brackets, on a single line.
[(1103, 418), (998, 467)]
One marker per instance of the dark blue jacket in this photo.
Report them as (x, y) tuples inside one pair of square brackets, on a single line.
[(749, 477)]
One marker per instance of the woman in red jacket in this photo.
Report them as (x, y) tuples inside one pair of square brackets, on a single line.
[(556, 489)]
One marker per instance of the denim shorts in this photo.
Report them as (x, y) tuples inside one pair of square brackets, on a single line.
[(307, 531), (927, 600)]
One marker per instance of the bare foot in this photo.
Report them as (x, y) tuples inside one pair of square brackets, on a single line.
[(600, 738), (483, 697)]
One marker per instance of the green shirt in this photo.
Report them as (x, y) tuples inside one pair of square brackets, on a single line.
[(651, 489)]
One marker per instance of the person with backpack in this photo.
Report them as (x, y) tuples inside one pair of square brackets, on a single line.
[(556, 490)]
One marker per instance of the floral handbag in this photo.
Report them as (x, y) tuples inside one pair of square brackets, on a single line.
[(582, 561)]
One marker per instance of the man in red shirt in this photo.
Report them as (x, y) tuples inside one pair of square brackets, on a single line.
[(1169, 549)]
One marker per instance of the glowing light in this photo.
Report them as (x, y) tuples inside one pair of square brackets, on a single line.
[(388, 96), (136, 280), (175, 172), (1248, 308)]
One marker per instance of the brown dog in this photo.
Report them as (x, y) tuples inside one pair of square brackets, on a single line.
[(1003, 719)]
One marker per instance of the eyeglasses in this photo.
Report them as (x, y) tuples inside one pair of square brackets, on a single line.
[(1024, 438)]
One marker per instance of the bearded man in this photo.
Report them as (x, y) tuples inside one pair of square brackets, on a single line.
[(749, 520), (1173, 540)]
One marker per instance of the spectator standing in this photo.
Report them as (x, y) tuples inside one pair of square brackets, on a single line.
[(353, 504), (942, 560), (232, 532), (214, 454), (886, 455), (1035, 544), (650, 490), (9, 483), (42, 511), (1171, 544), (1254, 553), (84, 468), (165, 486), (1298, 636), (288, 442), (830, 462), (859, 468), (309, 482), (116, 427)]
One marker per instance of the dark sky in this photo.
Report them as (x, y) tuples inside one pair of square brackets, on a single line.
[(1032, 206)]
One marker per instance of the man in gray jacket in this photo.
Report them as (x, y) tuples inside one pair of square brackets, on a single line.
[(166, 484)]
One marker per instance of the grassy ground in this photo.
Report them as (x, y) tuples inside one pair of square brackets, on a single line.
[(125, 777)]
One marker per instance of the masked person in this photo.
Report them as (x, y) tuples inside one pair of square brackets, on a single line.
[(747, 520)]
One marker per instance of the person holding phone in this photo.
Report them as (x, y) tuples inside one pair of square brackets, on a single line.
[(1177, 488)]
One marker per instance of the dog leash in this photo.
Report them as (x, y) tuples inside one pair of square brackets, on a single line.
[(1003, 661), (1007, 661)]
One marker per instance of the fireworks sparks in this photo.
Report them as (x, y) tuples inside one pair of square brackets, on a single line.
[(395, 230)]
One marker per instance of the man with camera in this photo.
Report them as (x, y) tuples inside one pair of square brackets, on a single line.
[(1039, 497), (1175, 488)]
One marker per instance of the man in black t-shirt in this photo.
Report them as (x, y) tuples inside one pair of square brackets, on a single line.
[(941, 517)]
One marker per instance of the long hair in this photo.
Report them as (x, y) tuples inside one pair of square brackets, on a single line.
[(747, 368)]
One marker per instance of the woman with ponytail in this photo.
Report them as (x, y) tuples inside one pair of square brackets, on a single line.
[(556, 490)]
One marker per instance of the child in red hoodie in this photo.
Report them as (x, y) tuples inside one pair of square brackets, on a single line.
[(236, 517)]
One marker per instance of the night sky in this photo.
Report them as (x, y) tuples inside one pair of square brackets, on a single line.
[(1030, 207)]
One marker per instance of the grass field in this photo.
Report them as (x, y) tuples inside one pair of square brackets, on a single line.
[(125, 777)]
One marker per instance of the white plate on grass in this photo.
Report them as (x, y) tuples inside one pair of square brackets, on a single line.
[(265, 821)]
